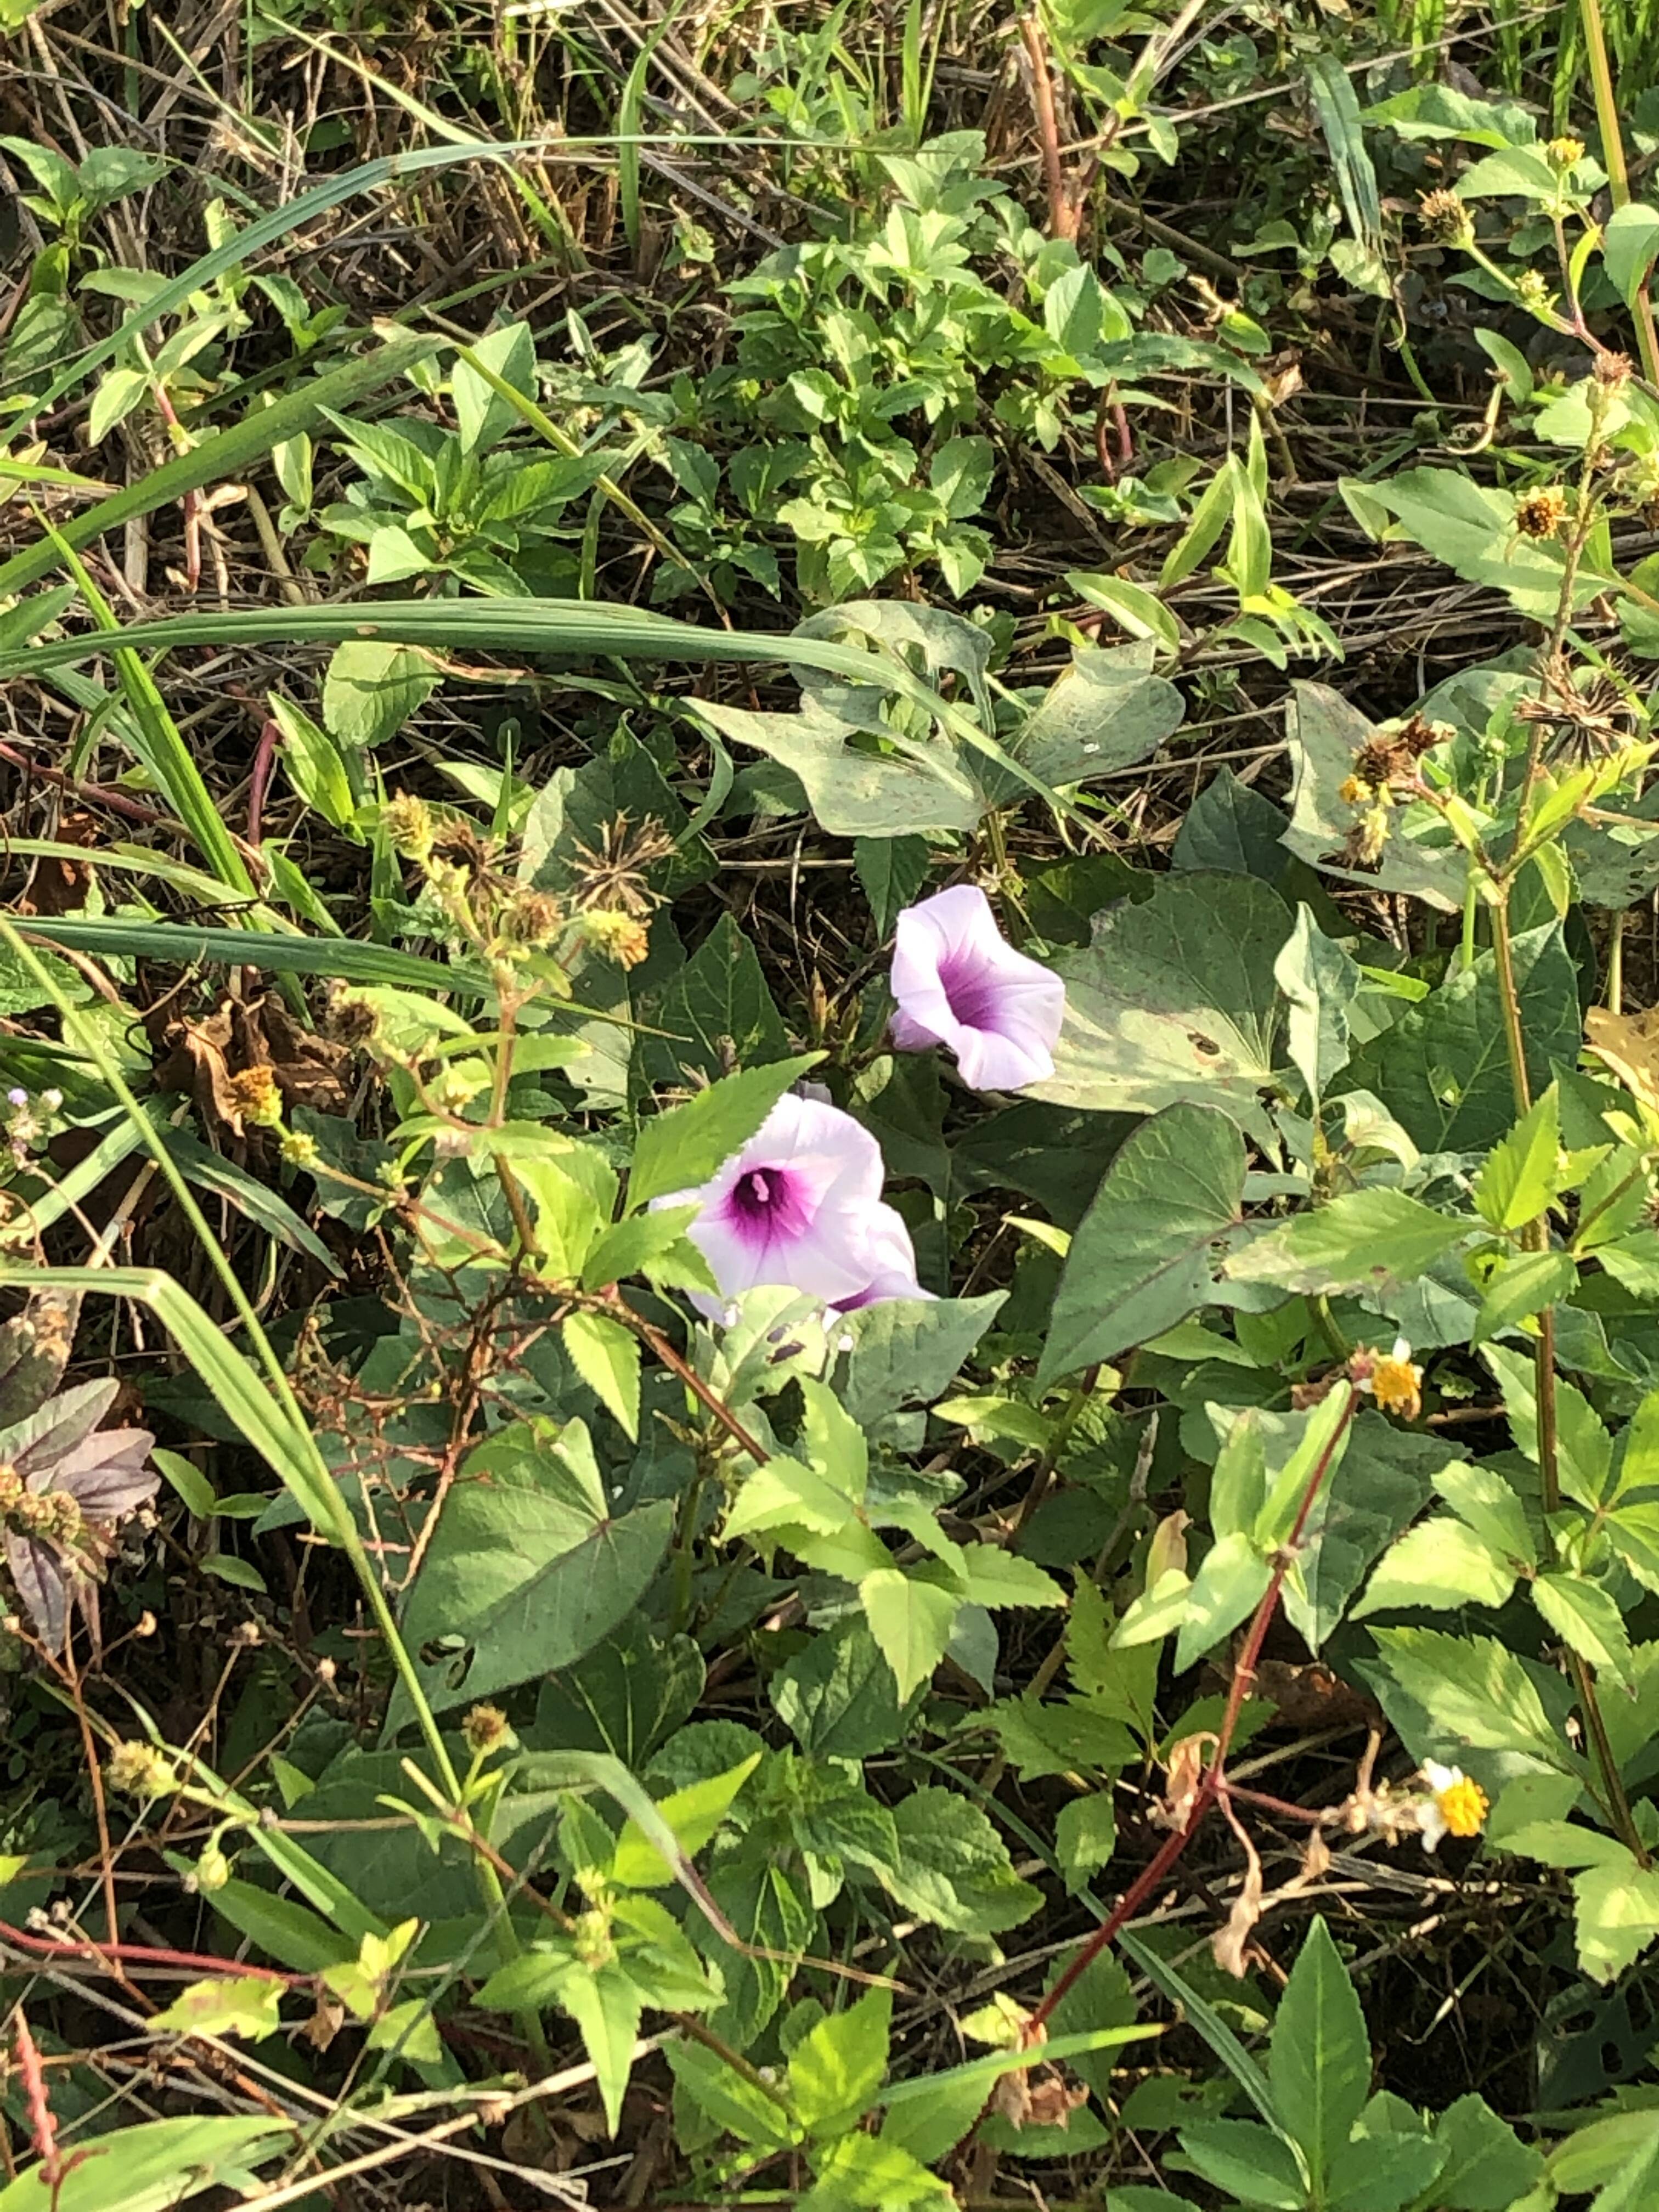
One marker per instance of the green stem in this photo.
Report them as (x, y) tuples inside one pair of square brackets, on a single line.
[(1615, 988), (1614, 1802), (88, 1038), (1471, 911), (1612, 154)]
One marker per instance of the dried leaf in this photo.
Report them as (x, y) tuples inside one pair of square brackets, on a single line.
[(1629, 1044)]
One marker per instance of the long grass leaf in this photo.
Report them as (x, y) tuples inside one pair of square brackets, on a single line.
[(223, 457), (161, 748), (527, 627), (186, 946)]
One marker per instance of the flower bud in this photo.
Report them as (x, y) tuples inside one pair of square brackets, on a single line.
[(485, 1729), (140, 1771)]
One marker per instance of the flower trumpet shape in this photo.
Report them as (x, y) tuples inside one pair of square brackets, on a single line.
[(801, 1205), (959, 983)]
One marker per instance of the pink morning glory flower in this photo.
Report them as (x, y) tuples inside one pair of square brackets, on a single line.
[(801, 1205), (959, 982)]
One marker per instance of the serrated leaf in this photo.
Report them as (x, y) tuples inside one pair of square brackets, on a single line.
[(911, 1622), (682, 1148), (1520, 1175), (954, 1869), (1321, 2055), (1586, 1618), (1439, 1563), (1477, 1691), (1520, 1287), (1085, 1837), (607, 1358), (1615, 1916), (1369, 1240)]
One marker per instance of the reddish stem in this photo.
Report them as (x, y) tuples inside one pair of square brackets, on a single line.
[(105, 1953), (1214, 1780), (259, 778)]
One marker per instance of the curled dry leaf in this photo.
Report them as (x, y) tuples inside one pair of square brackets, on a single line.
[(65, 1486)]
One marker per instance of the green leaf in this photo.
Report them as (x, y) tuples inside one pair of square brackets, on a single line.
[(606, 2006), (1441, 1562), (1442, 1069), (783, 1494), (1477, 1690), (1320, 2055), (152, 2168), (1481, 1496), (1143, 1256), (233, 2004), (482, 414), (371, 690), (682, 1148), (906, 1350), (910, 1622), (1085, 1837), (714, 1010), (1231, 828), (176, 945), (1630, 2191), (1105, 711), (1133, 608), (1487, 2167), (187, 1479), (1248, 2161), (892, 871), (861, 2171), (528, 1569), (653, 1245), (1587, 1618), (1176, 999), (1471, 528), (1377, 1486), (607, 1358), (1615, 1918), (837, 2067), (1521, 1175), (993, 1578), (836, 1694), (954, 1867), (1630, 242), (1320, 982), (693, 1814), (1583, 1448), (1225, 1591), (283, 1928), (1520, 1287), (1384, 2171), (1371, 1240)]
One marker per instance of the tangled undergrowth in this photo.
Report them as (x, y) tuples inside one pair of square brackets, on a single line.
[(829, 1207)]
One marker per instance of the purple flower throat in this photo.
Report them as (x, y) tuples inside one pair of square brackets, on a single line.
[(972, 991), (769, 1204)]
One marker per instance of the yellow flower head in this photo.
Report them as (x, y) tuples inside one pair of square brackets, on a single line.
[(1355, 791), (1456, 1806), (1394, 1380)]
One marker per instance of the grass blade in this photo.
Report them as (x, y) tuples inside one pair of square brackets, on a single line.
[(188, 947), (221, 457)]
